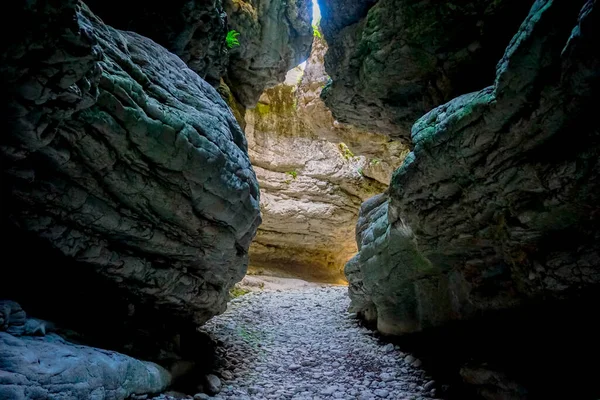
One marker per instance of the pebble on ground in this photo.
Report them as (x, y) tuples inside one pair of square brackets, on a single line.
[(303, 344)]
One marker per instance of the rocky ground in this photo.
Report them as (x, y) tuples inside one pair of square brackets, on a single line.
[(302, 344)]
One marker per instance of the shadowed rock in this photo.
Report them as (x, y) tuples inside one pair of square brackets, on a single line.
[(125, 161), (393, 60), (498, 203)]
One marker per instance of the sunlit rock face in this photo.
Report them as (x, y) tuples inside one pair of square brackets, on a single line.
[(314, 173), (393, 60), (495, 205), (127, 170)]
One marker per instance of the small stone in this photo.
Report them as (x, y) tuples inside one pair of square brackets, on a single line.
[(201, 396), (417, 363), (409, 359), (429, 385), (294, 367), (388, 348), (212, 384), (386, 377), (254, 390), (382, 392), (227, 375), (329, 390)]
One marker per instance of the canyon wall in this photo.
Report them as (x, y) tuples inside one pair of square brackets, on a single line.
[(313, 174), (128, 198), (393, 60), (496, 208)]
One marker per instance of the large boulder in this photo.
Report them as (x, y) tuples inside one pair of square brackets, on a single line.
[(393, 60), (121, 167), (36, 365), (194, 30), (497, 205), (51, 368)]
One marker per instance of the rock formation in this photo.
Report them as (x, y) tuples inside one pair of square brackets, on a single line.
[(128, 197), (274, 37), (128, 162), (193, 30), (35, 365), (496, 208), (311, 182), (481, 235), (393, 60)]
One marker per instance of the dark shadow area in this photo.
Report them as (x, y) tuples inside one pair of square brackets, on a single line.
[(543, 351), (86, 308)]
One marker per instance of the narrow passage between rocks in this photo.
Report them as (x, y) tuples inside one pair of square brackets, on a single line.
[(303, 344)]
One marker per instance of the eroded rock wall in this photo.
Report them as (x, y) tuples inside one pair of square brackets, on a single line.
[(493, 206), (496, 208), (312, 182), (274, 36), (393, 60), (127, 170)]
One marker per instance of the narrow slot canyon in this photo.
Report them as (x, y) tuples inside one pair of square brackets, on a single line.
[(300, 199)]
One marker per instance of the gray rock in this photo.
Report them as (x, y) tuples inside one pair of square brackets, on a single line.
[(49, 367), (12, 317), (127, 163), (274, 37), (388, 348), (469, 159), (329, 390), (227, 375), (195, 31), (212, 384), (201, 396), (442, 50), (409, 359), (429, 386)]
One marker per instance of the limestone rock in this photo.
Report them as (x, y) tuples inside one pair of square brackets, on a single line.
[(212, 384), (393, 60), (498, 203), (311, 182), (52, 368), (125, 162), (385, 155), (275, 36), (194, 30)]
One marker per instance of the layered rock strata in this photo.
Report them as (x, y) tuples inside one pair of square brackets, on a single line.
[(495, 205), (313, 173), (128, 197), (393, 60), (494, 215), (274, 36)]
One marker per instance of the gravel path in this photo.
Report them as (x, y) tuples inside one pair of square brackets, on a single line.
[(302, 344)]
